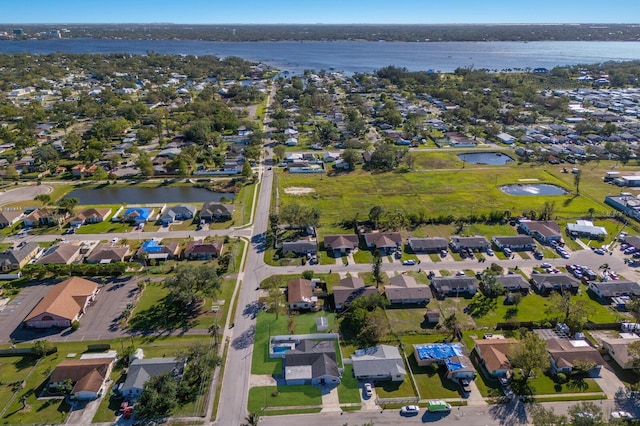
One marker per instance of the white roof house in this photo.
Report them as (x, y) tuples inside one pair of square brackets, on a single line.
[(382, 362), (586, 227)]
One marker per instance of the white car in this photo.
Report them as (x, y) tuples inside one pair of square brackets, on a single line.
[(623, 415), (410, 410), (490, 252), (409, 262), (368, 390)]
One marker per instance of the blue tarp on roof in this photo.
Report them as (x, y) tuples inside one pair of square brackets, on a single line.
[(439, 350), (453, 366), (142, 212), (151, 246)]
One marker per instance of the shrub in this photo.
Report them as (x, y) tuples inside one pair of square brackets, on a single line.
[(561, 378), (75, 325), (307, 275)]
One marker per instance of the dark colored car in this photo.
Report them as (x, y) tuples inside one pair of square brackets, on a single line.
[(465, 386)]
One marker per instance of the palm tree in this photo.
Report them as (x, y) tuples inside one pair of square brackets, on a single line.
[(252, 419)]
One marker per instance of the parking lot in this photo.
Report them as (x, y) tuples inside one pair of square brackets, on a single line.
[(98, 323)]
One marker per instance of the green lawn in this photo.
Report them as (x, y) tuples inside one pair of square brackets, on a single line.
[(391, 389), (363, 256), (13, 370), (543, 384), (432, 381), (435, 193), (285, 396), (267, 325), (349, 390)]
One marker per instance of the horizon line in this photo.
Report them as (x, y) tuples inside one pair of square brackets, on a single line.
[(322, 23)]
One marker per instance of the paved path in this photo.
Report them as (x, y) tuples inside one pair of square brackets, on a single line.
[(475, 397), (330, 400), (609, 382), (23, 193)]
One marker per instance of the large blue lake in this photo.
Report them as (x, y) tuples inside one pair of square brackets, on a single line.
[(350, 57)]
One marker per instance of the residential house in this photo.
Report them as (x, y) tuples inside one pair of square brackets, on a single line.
[(63, 253), (312, 362), (88, 377), (16, 258), (82, 170), (454, 286), (182, 212), (544, 231), (351, 288), (492, 354), (10, 217), (515, 243), (300, 295), (513, 283), (617, 348), (568, 354), (215, 212), (451, 355), (199, 250), (386, 241), (546, 283), (586, 229), (153, 250), (607, 290), (65, 303), (44, 217), (378, 363), (341, 243), (428, 245), (403, 289), (90, 216), (477, 243), (141, 370), (108, 253), (137, 215), (308, 245)]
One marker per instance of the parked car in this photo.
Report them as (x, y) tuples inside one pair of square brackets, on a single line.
[(538, 255), (490, 252), (438, 405), (599, 251), (465, 386), (409, 262), (410, 410), (507, 251), (545, 265), (622, 415), (368, 390), (443, 253)]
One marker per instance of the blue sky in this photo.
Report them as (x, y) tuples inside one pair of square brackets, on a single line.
[(319, 11)]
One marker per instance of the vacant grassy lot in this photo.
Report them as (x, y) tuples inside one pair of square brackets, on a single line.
[(432, 381), (440, 192), (263, 397)]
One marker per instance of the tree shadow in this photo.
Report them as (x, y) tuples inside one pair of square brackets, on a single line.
[(577, 384), (163, 317), (481, 305), (569, 200), (512, 413), (245, 339), (511, 313)]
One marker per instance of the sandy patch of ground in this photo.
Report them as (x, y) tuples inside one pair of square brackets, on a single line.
[(528, 180), (298, 191)]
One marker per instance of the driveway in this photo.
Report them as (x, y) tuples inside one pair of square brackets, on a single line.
[(83, 411), (609, 382)]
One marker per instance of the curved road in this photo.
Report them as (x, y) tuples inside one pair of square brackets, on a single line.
[(23, 193)]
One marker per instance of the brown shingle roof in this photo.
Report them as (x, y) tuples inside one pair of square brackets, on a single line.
[(87, 374), (565, 354), (60, 254), (65, 299), (299, 290), (494, 353)]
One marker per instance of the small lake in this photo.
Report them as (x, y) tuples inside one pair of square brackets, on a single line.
[(145, 195), (533, 189), (492, 158)]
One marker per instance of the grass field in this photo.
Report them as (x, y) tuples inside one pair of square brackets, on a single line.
[(446, 191), (283, 396), (349, 391)]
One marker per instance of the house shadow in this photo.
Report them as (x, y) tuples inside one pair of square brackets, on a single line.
[(23, 334)]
